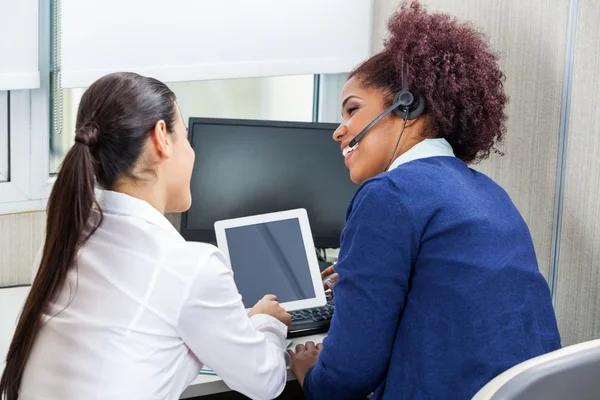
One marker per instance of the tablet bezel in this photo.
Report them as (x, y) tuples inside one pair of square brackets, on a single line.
[(301, 215)]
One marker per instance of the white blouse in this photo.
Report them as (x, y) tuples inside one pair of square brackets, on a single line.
[(141, 314)]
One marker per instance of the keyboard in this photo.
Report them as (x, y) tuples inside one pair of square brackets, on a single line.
[(311, 320)]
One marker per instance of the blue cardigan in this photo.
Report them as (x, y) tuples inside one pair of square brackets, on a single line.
[(439, 289)]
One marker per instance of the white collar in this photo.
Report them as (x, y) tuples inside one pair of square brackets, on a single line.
[(425, 149), (123, 204)]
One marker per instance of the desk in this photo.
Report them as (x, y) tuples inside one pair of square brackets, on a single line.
[(205, 385)]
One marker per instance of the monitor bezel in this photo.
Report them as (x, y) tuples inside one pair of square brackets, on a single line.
[(208, 235)]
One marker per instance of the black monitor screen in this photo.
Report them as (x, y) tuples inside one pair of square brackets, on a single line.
[(245, 168), (270, 258)]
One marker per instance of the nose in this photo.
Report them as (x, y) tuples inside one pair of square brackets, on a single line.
[(339, 133)]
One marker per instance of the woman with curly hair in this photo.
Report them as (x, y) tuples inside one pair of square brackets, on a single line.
[(439, 289)]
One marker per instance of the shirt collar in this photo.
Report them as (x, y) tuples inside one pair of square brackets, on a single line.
[(425, 149), (122, 204)]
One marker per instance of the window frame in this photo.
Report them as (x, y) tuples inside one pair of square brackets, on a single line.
[(17, 188), (29, 184), (4, 138), (29, 134), (329, 100)]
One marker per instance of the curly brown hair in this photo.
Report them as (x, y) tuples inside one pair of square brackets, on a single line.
[(452, 66)]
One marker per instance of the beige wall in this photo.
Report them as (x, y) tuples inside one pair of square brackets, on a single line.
[(20, 238), (578, 285)]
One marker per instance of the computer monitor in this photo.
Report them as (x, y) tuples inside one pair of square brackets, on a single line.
[(251, 167)]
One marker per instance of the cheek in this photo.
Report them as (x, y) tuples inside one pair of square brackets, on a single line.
[(183, 162), (185, 154), (356, 124), (373, 146), (191, 157), (371, 153)]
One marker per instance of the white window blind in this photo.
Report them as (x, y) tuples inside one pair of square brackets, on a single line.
[(190, 40), (19, 67)]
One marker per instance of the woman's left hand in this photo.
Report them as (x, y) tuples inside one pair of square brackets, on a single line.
[(329, 277), (305, 357)]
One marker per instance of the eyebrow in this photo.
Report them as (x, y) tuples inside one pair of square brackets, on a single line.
[(348, 98)]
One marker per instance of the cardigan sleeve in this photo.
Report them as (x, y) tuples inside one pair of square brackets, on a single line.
[(378, 247)]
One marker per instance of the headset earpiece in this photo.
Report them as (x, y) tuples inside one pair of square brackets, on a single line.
[(407, 105), (410, 104)]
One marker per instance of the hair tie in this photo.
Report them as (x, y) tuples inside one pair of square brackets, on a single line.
[(88, 134)]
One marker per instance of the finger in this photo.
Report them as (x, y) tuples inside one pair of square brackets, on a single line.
[(328, 271), (320, 346), (270, 297), (310, 346), (300, 348), (328, 283), (292, 354)]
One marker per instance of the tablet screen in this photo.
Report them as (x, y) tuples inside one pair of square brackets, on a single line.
[(270, 258)]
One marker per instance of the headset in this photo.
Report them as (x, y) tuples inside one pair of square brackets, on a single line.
[(407, 105)]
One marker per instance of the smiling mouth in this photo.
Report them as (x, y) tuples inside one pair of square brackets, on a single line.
[(347, 150)]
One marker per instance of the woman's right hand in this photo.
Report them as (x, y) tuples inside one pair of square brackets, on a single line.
[(270, 306)]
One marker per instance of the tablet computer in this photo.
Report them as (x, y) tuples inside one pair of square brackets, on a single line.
[(273, 254)]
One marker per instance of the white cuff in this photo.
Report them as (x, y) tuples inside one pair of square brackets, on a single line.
[(264, 321)]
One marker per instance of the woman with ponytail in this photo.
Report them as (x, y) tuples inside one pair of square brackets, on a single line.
[(121, 306)]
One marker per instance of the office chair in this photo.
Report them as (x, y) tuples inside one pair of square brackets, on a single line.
[(571, 373)]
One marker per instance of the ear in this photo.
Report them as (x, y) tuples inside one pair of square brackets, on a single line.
[(411, 122), (417, 123), (161, 139)]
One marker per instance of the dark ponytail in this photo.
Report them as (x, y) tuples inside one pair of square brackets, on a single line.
[(115, 117)]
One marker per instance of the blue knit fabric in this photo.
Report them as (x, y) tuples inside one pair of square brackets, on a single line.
[(439, 289)]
